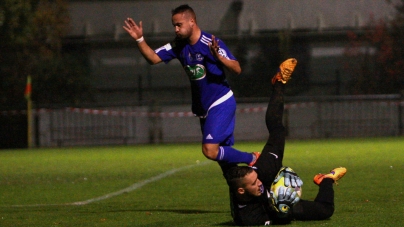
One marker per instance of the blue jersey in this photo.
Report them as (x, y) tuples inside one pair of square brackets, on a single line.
[(208, 81)]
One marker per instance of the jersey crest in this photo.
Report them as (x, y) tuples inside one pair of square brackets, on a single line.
[(196, 72), (223, 53), (198, 57)]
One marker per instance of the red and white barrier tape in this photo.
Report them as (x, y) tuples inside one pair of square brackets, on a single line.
[(132, 114), (173, 114), (21, 112), (178, 114)]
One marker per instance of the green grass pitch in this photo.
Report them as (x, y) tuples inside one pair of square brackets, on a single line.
[(175, 185)]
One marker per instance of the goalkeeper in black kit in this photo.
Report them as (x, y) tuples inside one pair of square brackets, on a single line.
[(267, 192)]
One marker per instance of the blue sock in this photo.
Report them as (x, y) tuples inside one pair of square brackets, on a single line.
[(230, 155)]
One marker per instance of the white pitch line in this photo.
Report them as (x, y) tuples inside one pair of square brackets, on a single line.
[(125, 190)]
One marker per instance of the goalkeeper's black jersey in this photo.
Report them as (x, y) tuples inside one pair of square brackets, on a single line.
[(257, 211)]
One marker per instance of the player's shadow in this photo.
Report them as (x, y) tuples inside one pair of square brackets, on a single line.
[(228, 223), (179, 211)]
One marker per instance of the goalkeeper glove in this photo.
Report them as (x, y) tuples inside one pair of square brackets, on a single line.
[(291, 178), (287, 197)]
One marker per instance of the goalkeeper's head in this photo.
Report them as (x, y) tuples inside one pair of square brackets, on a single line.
[(243, 182)]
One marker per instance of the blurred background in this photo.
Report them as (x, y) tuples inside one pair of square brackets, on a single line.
[(89, 85)]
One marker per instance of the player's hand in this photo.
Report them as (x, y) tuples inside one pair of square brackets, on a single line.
[(287, 197), (291, 178), (134, 30), (214, 47)]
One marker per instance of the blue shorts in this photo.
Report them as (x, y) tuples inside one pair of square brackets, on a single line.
[(218, 126)]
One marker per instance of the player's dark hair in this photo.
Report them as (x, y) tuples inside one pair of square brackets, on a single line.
[(235, 175), (182, 9)]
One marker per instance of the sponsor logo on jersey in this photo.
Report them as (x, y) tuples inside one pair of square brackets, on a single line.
[(209, 137), (196, 72)]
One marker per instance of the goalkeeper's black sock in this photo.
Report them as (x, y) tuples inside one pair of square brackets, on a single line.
[(326, 191), (275, 108), (319, 209)]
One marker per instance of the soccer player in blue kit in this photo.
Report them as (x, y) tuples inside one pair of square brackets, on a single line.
[(204, 58)]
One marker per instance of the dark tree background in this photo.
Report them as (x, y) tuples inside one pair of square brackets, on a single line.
[(31, 34), (379, 54)]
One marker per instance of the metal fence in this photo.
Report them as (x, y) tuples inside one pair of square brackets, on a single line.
[(305, 118), (349, 116)]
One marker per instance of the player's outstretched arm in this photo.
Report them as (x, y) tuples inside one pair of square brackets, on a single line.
[(136, 31), (232, 65)]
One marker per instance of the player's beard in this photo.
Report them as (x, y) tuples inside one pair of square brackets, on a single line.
[(183, 36)]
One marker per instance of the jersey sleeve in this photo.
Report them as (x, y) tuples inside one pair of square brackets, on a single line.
[(166, 53), (225, 51)]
